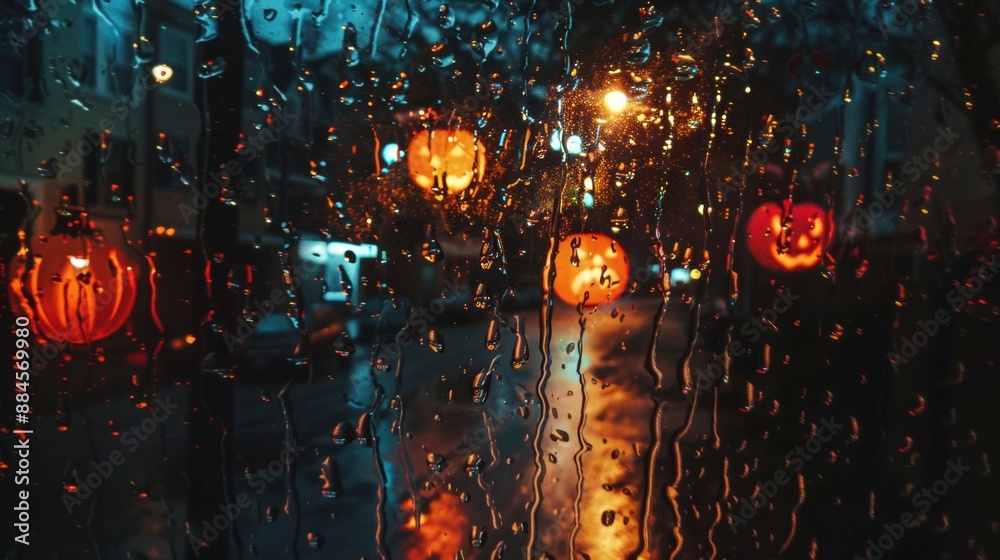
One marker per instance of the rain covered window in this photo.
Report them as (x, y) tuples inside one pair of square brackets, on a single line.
[(578, 279)]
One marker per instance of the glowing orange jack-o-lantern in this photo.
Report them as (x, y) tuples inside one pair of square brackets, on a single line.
[(78, 289), (445, 160), (789, 237), (590, 263)]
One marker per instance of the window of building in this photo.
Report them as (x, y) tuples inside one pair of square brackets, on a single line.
[(175, 50), (106, 49), (172, 167), (109, 176), (20, 55)]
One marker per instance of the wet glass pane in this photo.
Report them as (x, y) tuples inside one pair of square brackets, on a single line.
[(579, 279)]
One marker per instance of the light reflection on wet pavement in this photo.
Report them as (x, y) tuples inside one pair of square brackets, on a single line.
[(438, 416)]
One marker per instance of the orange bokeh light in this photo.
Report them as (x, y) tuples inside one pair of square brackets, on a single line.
[(789, 237), (445, 161), (590, 263), (80, 290)]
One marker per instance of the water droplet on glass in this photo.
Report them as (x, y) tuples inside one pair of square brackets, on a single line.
[(346, 286), (637, 49), (330, 476), (485, 39), (481, 383), (490, 254), (435, 462), (685, 67), (608, 518), (431, 249), (492, 341), (344, 346), (520, 355), (435, 340), (478, 536), (343, 433), (364, 431), (482, 298), (442, 55), (446, 17), (350, 45), (212, 68), (474, 464)]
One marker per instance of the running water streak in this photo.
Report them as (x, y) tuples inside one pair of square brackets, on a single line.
[(584, 446), (545, 328)]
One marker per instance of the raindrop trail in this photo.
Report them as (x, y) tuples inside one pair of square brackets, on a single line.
[(656, 431), (373, 47), (795, 514), (291, 496), (408, 26), (727, 358), (584, 445), (87, 380), (656, 421), (404, 457), (688, 386), (296, 314), (168, 517), (545, 326), (527, 55), (152, 358), (247, 36), (672, 493), (234, 539), (724, 490), (685, 380), (381, 524), (487, 489)]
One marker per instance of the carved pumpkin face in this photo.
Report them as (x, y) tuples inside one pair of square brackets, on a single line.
[(81, 290), (445, 161), (590, 262), (789, 238)]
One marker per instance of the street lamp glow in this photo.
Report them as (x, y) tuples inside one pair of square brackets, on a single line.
[(162, 73), (615, 101)]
